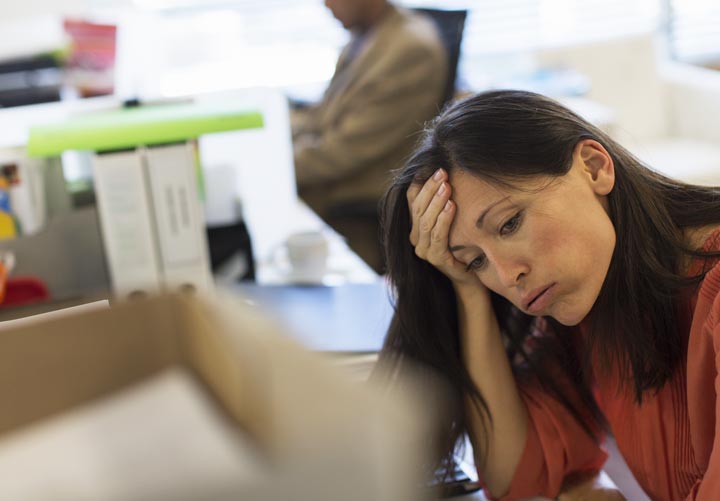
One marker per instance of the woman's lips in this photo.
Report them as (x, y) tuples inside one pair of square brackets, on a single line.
[(542, 300)]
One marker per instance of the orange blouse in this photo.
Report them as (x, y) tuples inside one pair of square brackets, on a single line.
[(668, 442)]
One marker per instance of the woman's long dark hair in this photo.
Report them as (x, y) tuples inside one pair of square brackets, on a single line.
[(505, 136)]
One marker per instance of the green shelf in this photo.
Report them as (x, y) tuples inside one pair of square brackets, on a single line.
[(144, 125)]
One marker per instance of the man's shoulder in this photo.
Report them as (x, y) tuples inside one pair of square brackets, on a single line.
[(414, 28)]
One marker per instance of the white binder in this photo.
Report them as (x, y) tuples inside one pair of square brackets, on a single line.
[(178, 217), (126, 217)]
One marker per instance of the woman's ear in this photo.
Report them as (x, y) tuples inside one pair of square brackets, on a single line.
[(596, 164)]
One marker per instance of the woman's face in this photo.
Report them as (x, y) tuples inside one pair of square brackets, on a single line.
[(546, 246)]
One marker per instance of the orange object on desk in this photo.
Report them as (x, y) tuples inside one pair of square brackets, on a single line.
[(18, 291), (3, 280)]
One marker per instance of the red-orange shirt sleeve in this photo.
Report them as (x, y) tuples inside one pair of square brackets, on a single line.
[(709, 487), (556, 446)]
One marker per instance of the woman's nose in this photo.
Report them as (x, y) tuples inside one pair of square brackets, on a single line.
[(510, 269)]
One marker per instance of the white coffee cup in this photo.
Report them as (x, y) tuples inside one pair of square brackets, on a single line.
[(307, 252)]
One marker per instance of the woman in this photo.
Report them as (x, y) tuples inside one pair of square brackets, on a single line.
[(563, 289)]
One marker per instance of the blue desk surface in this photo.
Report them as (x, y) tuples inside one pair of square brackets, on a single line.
[(349, 318)]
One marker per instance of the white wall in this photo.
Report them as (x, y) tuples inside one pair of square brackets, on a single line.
[(623, 75), (14, 9), (31, 26)]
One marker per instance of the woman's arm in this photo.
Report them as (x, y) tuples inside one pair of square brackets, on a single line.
[(489, 368), (485, 358)]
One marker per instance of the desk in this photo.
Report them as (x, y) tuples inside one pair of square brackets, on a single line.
[(349, 318), (344, 266), (601, 486)]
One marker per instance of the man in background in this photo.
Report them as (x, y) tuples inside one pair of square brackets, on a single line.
[(389, 80)]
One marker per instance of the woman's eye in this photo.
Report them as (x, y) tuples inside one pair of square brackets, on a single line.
[(476, 264), (512, 224)]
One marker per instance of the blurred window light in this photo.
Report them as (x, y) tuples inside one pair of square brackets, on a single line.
[(694, 30), (303, 40), (493, 25)]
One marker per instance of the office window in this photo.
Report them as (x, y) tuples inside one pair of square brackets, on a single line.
[(499, 34), (693, 28), (493, 25)]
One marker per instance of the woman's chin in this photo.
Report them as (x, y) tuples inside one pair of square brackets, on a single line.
[(568, 323), (569, 318)]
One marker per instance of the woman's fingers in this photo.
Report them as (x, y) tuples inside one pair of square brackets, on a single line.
[(427, 225), (419, 198), (432, 213), (438, 250)]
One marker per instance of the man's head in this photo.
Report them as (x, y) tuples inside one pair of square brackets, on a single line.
[(357, 15)]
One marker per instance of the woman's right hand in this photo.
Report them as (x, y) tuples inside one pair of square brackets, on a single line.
[(432, 213), (481, 344)]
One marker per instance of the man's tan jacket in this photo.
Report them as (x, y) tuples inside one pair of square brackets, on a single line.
[(369, 118)]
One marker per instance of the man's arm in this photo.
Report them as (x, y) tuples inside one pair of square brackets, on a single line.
[(386, 111)]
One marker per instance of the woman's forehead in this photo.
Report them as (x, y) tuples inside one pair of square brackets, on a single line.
[(482, 190), (464, 181), (461, 179)]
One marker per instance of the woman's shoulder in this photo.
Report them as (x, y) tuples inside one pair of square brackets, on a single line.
[(709, 266), (705, 238)]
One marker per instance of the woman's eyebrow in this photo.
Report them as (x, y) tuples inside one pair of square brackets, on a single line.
[(480, 221)]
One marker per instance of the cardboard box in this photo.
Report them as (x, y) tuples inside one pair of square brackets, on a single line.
[(300, 428)]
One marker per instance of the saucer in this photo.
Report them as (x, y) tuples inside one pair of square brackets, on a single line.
[(313, 277), (305, 276)]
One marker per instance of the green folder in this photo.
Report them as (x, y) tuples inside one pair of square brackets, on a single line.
[(143, 125)]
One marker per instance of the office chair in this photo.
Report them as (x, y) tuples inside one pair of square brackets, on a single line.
[(362, 216), (450, 25), (231, 241)]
